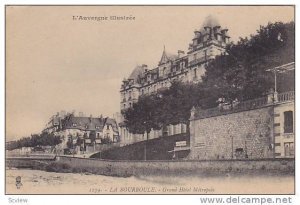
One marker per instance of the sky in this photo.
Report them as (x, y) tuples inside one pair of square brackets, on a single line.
[(55, 63)]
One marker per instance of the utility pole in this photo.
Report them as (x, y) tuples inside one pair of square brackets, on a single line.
[(231, 146), (275, 80), (145, 147), (148, 130)]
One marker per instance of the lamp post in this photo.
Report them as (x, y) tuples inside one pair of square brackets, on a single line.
[(280, 69), (145, 146), (148, 129), (231, 146)]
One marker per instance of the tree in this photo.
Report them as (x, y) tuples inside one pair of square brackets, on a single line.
[(142, 117), (170, 106), (106, 140), (43, 139), (92, 136), (242, 72), (70, 143)]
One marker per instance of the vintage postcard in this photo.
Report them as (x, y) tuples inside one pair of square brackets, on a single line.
[(150, 99)]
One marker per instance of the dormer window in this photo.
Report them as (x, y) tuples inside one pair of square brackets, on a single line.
[(74, 124), (97, 127)]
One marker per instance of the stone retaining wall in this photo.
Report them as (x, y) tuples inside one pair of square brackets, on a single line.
[(146, 168), (247, 134), (190, 167)]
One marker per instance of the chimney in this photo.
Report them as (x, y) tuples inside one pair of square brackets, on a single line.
[(208, 29), (224, 31), (145, 67), (63, 113), (91, 116), (197, 34), (180, 53), (217, 29)]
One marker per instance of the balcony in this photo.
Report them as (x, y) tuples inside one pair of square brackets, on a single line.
[(197, 61), (227, 108), (231, 108), (287, 96)]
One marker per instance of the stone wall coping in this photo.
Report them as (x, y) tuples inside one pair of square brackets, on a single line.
[(183, 161)]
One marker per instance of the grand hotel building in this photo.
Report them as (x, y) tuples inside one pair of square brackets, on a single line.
[(208, 42)]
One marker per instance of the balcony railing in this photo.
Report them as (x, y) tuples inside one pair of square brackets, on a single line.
[(288, 96), (231, 108), (224, 108), (196, 61)]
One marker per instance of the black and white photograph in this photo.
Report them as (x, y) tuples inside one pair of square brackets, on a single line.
[(149, 99)]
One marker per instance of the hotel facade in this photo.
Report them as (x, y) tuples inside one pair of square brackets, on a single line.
[(209, 41)]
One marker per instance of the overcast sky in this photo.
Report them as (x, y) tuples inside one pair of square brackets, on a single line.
[(56, 63)]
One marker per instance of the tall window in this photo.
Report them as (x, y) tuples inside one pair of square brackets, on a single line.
[(195, 56), (129, 98), (288, 122)]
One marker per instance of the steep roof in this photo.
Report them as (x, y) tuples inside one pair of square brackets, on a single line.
[(83, 123), (210, 21), (166, 57), (137, 71), (113, 123)]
